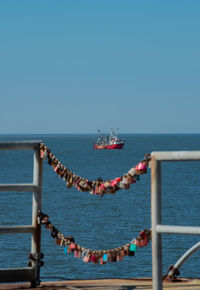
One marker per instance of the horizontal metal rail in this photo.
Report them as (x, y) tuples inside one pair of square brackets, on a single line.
[(176, 155), (17, 229), (19, 145), (164, 229), (17, 274), (19, 187)]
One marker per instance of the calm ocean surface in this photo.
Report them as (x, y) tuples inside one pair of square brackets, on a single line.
[(101, 222)]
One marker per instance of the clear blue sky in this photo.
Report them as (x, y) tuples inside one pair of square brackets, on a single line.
[(75, 66)]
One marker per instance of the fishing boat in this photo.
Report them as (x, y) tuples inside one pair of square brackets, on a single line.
[(109, 142)]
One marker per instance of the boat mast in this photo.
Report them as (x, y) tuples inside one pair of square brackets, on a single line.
[(117, 133)]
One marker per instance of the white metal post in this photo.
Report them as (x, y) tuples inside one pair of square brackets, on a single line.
[(155, 220), (37, 203), (31, 274)]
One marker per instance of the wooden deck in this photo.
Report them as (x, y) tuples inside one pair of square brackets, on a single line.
[(106, 284)]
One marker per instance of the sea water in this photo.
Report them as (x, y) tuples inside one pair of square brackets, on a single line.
[(101, 222)]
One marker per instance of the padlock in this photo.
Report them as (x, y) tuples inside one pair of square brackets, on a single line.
[(81, 185), (130, 179), (126, 250), (94, 259), (132, 247), (79, 254), (125, 182), (85, 185), (57, 169), (58, 242), (54, 232), (102, 188), (113, 256), (62, 241), (143, 235), (65, 175), (121, 185), (50, 161), (72, 246), (144, 243), (120, 258), (70, 240), (101, 261), (107, 184), (92, 191), (88, 185), (131, 251), (97, 190), (137, 242), (62, 173), (105, 257), (41, 153), (76, 253), (141, 168), (132, 172), (48, 225), (115, 181), (74, 179), (112, 190), (86, 258), (69, 181), (45, 154), (44, 218), (122, 253)]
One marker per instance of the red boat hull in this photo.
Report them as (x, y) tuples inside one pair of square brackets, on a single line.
[(114, 146)]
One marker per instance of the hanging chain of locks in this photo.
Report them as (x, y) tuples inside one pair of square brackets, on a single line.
[(94, 256), (97, 187)]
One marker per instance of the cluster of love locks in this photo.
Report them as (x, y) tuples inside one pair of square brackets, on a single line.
[(98, 187), (94, 256)]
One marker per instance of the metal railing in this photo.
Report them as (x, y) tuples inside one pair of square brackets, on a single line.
[(31, 273), (156, 210)]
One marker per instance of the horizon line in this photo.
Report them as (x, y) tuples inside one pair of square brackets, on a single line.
[(90, 133)]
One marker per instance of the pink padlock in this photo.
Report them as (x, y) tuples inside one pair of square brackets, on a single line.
[(72, 246), (143, 235), (93, 259), (86, 259), (115, 181), (102, 187), (141, 167), (137, 243), (97, 190), (144, 243), (76, 253), (101, 261)]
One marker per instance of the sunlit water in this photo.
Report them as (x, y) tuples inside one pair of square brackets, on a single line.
[(101, 222)]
